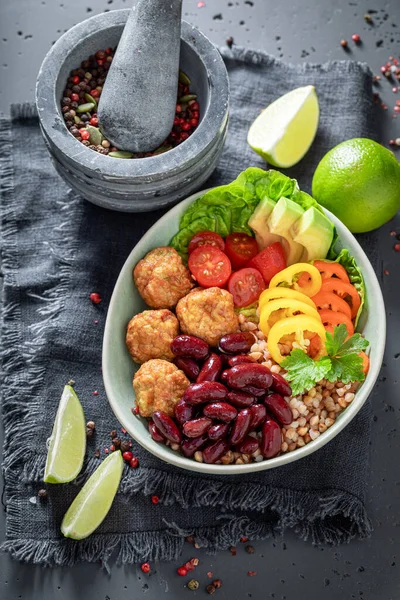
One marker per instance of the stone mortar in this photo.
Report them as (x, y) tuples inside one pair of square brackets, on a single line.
[(134, 185)]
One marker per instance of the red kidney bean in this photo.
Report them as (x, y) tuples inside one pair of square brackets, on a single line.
[(155, 434), (280, 385), (207, 391), (184, 412), (240, 399), (271, 439), (218, 431), (240, 359), (190, 346), (258, 416), (196, 427), (213, 452), (257, 392), (167, 426), (211, 369), (278, 408), (221, 411), (224, 375), (243, 375), (248, 446), (241, 426), (190, 446), (189, 366), (236, 343)]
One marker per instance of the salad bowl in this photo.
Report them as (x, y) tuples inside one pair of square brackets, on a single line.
[(118, 367)]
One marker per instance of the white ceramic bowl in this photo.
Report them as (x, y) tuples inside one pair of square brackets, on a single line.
[(118, 367)]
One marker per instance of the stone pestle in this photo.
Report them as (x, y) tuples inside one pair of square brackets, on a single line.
[(137, 106)]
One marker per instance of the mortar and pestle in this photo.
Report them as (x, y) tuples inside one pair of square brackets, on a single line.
[(137, 106)]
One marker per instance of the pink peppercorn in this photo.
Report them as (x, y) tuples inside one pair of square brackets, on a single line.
[(95, 298), (397, 247), (127, 456), (145, 567), (155, 499), (182, 571), (356, 38), (134, 463)]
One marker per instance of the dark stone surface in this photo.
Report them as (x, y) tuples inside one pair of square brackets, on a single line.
[(287, 569), (137, 105)]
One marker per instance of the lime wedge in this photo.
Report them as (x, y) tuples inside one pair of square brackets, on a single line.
[(93, 502), (68, 440), (285, 130)]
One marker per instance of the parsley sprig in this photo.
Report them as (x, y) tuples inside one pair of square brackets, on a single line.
[(342, 363)]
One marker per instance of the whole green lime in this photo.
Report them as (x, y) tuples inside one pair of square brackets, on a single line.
[(359, 181)]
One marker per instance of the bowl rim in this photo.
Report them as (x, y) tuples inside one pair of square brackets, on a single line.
[(189, 464), (157, 166)]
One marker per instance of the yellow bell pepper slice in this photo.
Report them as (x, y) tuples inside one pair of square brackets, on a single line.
[(286, 307), (297, 325), (289, 278), (282, 292)]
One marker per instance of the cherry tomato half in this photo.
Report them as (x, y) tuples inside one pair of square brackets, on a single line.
[(240, 248), (203, 238), (269, 261), (210, 266), (246, 286)]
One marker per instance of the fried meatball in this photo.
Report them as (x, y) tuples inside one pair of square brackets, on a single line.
[(161, 278), (158, 385), (150, 333), (209, 314)]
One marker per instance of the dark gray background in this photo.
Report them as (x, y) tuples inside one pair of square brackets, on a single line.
[(288, 569)]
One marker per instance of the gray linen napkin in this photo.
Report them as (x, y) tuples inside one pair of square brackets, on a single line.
[(57, 249)]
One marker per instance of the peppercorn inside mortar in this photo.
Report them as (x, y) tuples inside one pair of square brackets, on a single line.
[(79, 105)]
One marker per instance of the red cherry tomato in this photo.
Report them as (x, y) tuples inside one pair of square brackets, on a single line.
[(246, 286), (240, 248), (210, 266), (269, 261), (206, 238)]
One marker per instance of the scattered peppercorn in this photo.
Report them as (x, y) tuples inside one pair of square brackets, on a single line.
[(397, 247), (189, 539), (135, 410), (42, 493), (229, 41), (367, 18), (233, 550), (188, 566), (124, 445), (217, 583), (116, 443), (210, 589), (134, 463), (89, 432), (386, 272), (97, 454), (356, 38), (127, 456), (182, 572), (95, 298), (193, 584), (249, 549), (91, 425), (251, 573), (244, 539), (344, 43), (145, 567), (155, 499), (112, 448), (194, 561)]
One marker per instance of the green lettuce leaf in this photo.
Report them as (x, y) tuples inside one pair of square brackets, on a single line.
[(228, 208)]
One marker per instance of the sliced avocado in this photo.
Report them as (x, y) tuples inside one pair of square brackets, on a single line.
[(315, 232), (258, 223), (282, 218)]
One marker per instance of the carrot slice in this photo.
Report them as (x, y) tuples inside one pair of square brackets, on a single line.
[(329, 270), (331, 318), (332, 301), (365, 362), (347, 291)]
